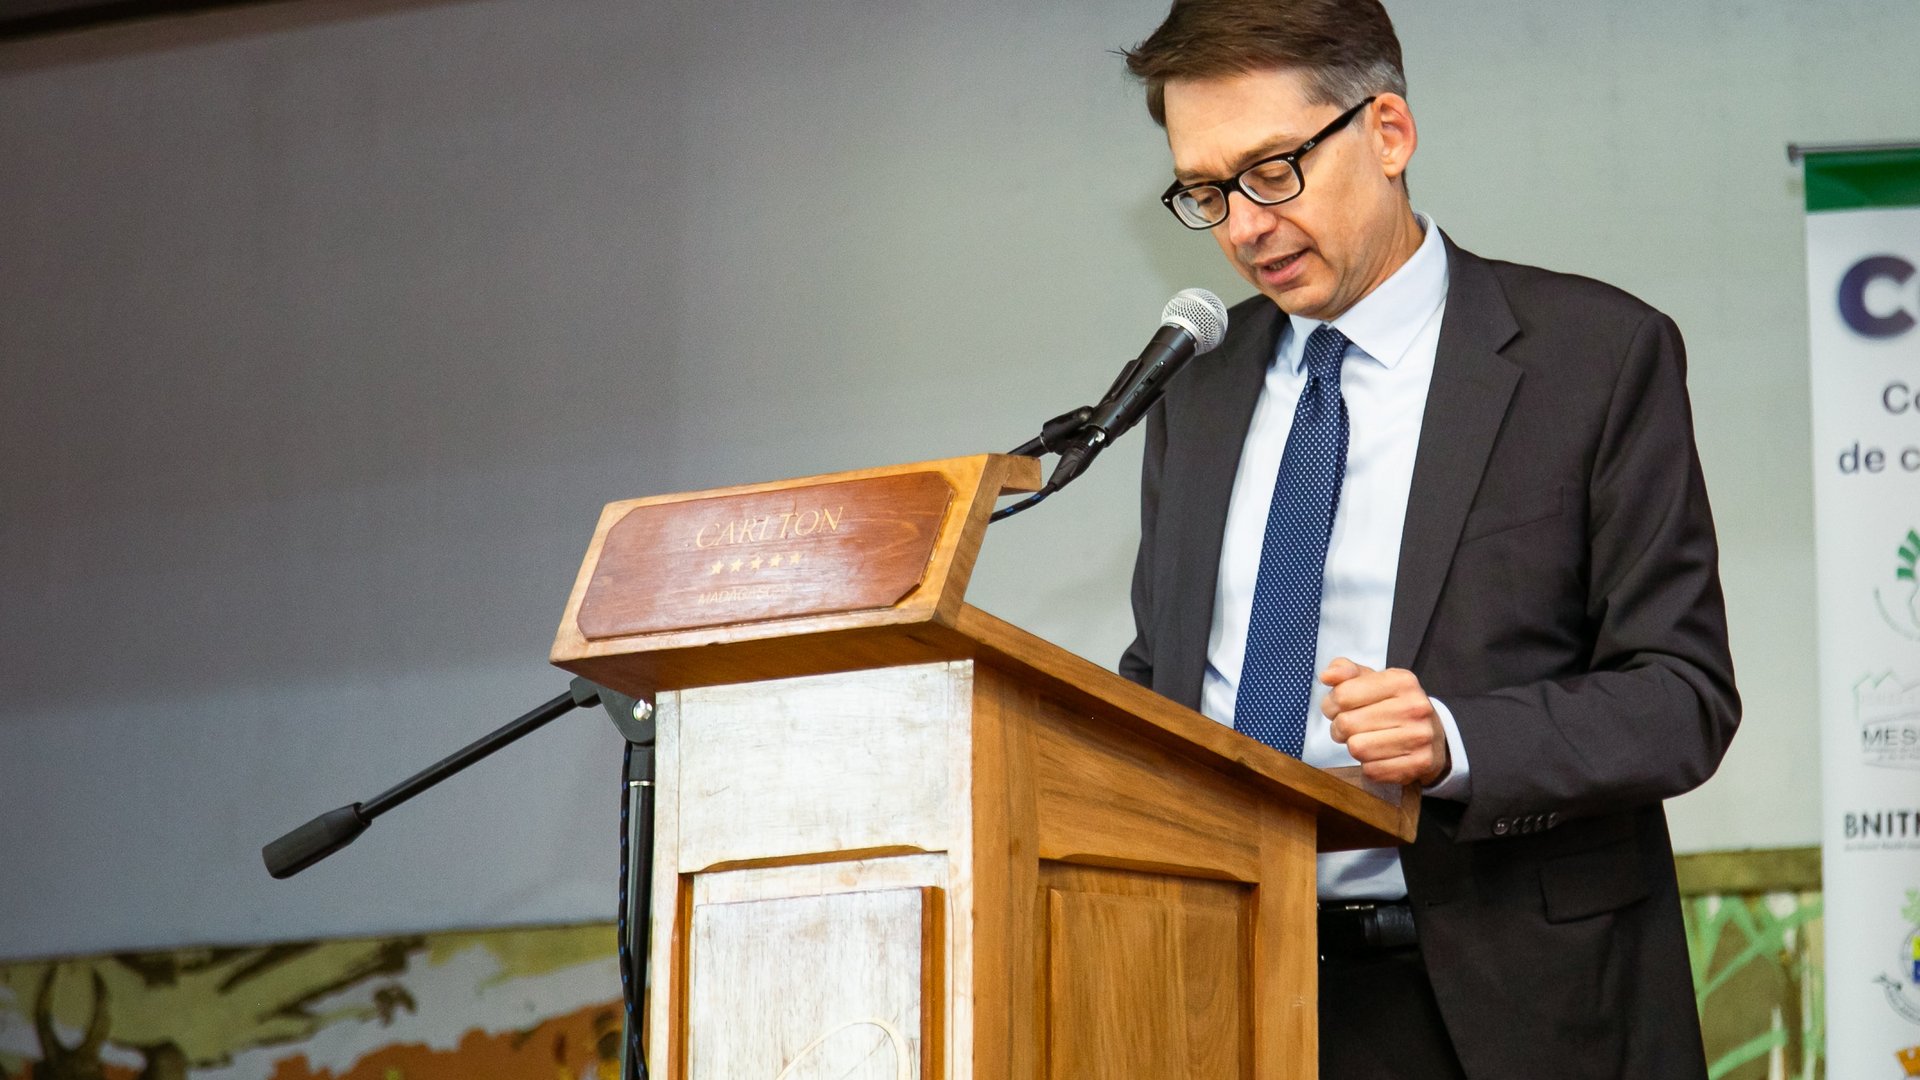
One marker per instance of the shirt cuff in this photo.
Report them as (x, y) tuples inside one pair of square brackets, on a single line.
[(1457, 784)]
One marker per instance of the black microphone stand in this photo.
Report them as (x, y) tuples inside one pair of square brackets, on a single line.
[(633, 719)]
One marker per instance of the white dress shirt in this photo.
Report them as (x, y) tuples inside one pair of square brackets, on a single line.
[(1395, 330)]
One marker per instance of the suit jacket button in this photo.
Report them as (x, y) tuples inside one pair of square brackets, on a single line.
[(1553, 819), (1500, 826)]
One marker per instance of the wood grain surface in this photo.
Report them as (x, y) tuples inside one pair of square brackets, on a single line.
[(805, 549), (825, 766), (1106, 797), (776, 644), (1286, 953), (1353, 813), (1147, 975), (666, 983), (1008, 1014), (835, 985), (1108, 892)]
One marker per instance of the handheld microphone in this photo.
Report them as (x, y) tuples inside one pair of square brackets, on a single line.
[(1193, 322)]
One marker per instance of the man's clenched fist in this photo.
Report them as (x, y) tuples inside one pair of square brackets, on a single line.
[(1386, 722)]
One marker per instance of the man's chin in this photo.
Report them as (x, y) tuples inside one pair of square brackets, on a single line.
[(1299, 300)]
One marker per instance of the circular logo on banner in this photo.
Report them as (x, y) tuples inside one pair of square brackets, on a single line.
[(1903, 983), (1899, 598)]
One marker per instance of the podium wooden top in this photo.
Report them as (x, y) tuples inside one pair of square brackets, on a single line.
[(883, 587), (1369, 814), (687, 580)]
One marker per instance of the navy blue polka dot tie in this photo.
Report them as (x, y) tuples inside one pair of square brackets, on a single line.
[(1276, 678)]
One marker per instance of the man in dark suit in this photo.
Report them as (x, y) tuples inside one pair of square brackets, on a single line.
[(1441, 516)]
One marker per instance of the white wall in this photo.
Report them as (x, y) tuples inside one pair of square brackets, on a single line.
[(322, 339)]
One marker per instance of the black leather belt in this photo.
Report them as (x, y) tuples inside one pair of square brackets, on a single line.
[(1356, 927)]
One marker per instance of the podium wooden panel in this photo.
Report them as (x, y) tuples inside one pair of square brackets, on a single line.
[(913, 841)]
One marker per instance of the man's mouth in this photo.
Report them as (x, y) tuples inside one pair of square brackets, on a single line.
[(1274, 266), (1282, 272)]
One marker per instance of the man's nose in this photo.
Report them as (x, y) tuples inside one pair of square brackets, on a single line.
[(1247, 221)]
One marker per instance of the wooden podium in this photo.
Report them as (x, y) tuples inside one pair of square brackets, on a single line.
[(899, 838)]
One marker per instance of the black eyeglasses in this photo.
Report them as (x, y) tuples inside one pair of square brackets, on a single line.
[(1269, 181)]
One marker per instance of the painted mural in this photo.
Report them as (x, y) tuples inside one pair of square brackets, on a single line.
[(1756, 977), (505, 1004)]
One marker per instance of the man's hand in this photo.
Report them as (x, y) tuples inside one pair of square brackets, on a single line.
[(1386, 722)]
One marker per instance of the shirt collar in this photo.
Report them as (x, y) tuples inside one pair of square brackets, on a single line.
[(1385, 321)]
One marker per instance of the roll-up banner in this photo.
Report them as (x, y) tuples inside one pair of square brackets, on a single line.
[(1863, 294)]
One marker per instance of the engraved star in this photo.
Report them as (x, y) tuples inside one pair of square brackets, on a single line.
[(775, 561), (754, 562), (718, 565), (736, 566), (793, 559)]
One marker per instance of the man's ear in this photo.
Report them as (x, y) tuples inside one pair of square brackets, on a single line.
[(1394, 135)]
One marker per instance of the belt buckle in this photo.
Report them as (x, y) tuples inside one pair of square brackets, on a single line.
[(1365, 926), (1344, 927)]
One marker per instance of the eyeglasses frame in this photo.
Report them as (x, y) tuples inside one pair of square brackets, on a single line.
[(1291, 157)]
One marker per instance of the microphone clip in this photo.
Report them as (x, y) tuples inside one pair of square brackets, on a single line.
[(1055, 433)]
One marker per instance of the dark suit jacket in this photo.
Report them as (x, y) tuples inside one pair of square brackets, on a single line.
[(1558, 589)]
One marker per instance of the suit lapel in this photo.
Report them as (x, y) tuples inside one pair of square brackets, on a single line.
[(1224, 393), (1466, 403)]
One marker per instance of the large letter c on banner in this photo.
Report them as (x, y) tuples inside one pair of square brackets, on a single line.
[(1853, 296)]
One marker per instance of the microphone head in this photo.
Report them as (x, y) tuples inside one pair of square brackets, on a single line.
[(1199, 313)]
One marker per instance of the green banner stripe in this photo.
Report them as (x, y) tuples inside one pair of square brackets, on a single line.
[(1854, 180)]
